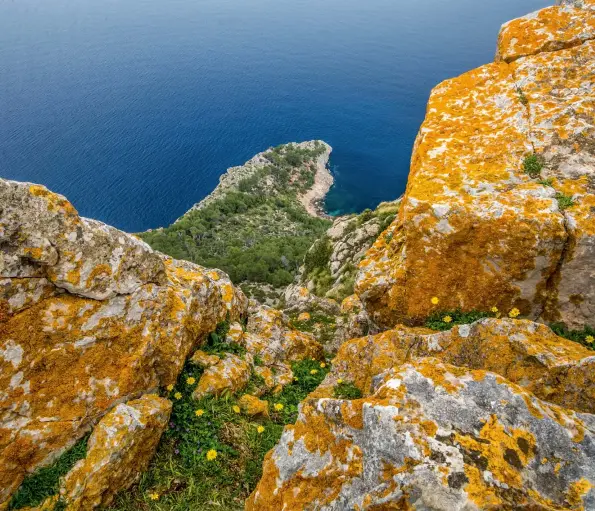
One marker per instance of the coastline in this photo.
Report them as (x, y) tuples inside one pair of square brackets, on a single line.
[(312, 200)]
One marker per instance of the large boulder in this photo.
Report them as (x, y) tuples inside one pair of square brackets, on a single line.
[(432, 436), (474, 229), (525, 353), (90, 317)]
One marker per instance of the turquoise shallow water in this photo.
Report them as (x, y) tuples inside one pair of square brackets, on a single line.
[(133, 109)]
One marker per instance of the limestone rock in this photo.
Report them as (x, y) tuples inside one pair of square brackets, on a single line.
[(299, 299), (119, 450), (202, 359), (89, 317), (230, 373), (253, 406), (547, 30), (432, 436), (525, 353), (270, 337), (474, 229)]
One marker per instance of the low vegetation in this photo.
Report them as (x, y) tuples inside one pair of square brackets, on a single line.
[(211, 456), (564, 201), (532, 165), (258, 232), (46, 481)]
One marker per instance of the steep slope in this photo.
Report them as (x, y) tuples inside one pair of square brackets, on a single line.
[(261, 219), (498, 209)]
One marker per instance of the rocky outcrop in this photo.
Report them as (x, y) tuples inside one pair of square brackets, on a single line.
[(90, 317), (230, 373), (119, 450), (498, 209), (432, 436)]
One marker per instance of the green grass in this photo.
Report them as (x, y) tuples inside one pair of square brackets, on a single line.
[(347, 390), (181, 474), (564, 201), (546, 182), (532, 165), (45, 482)]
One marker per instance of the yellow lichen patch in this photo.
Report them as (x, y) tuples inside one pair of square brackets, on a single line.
[(100, 271), (547, 30), (507, 451)]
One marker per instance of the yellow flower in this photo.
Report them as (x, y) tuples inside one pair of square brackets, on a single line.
[(589, 338), (313, 371), (177, 395), (295, 378), (154, 496), (260, 429), (170, 387), (447, 319), (340, 380), (278, 407), (211, 455), (236, 408), (199, 413), (190, 380), (322, 364), (514, 313), (435, 300), (494, 309)]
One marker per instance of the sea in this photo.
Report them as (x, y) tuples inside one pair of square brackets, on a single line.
[(134, 108)]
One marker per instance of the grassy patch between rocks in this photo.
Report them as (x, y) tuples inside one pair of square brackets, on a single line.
[(45, 482), (211, 456)]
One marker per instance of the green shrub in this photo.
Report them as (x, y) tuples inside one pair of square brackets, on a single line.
[(564, 201), (532, 165), (347, 390)]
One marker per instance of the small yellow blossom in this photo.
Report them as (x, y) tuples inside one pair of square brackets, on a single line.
[(589, 338), (322, 364), (313, 371), (260, 429), (178, 395), (514, 313), (295, 378), (170, 387), (199, 413), (435, 300), (154, 496), (211, 455), (340, 380), (494, 309), (278, 406), (190, 380), (447, 319), (236, 408)]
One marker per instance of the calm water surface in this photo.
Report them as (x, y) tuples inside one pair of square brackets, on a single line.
[(133, 108)]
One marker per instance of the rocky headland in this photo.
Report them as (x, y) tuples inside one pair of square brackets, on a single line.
[(433, 354)]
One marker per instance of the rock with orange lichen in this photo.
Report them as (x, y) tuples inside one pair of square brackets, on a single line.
[(230, 373), (474, 229), (202, 359), (253, 406), (525, 353), (547, 30), (432, 436), (118, 451), (89, 317), (269, 336)]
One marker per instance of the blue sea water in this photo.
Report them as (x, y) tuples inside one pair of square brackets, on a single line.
[(133, 108)]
